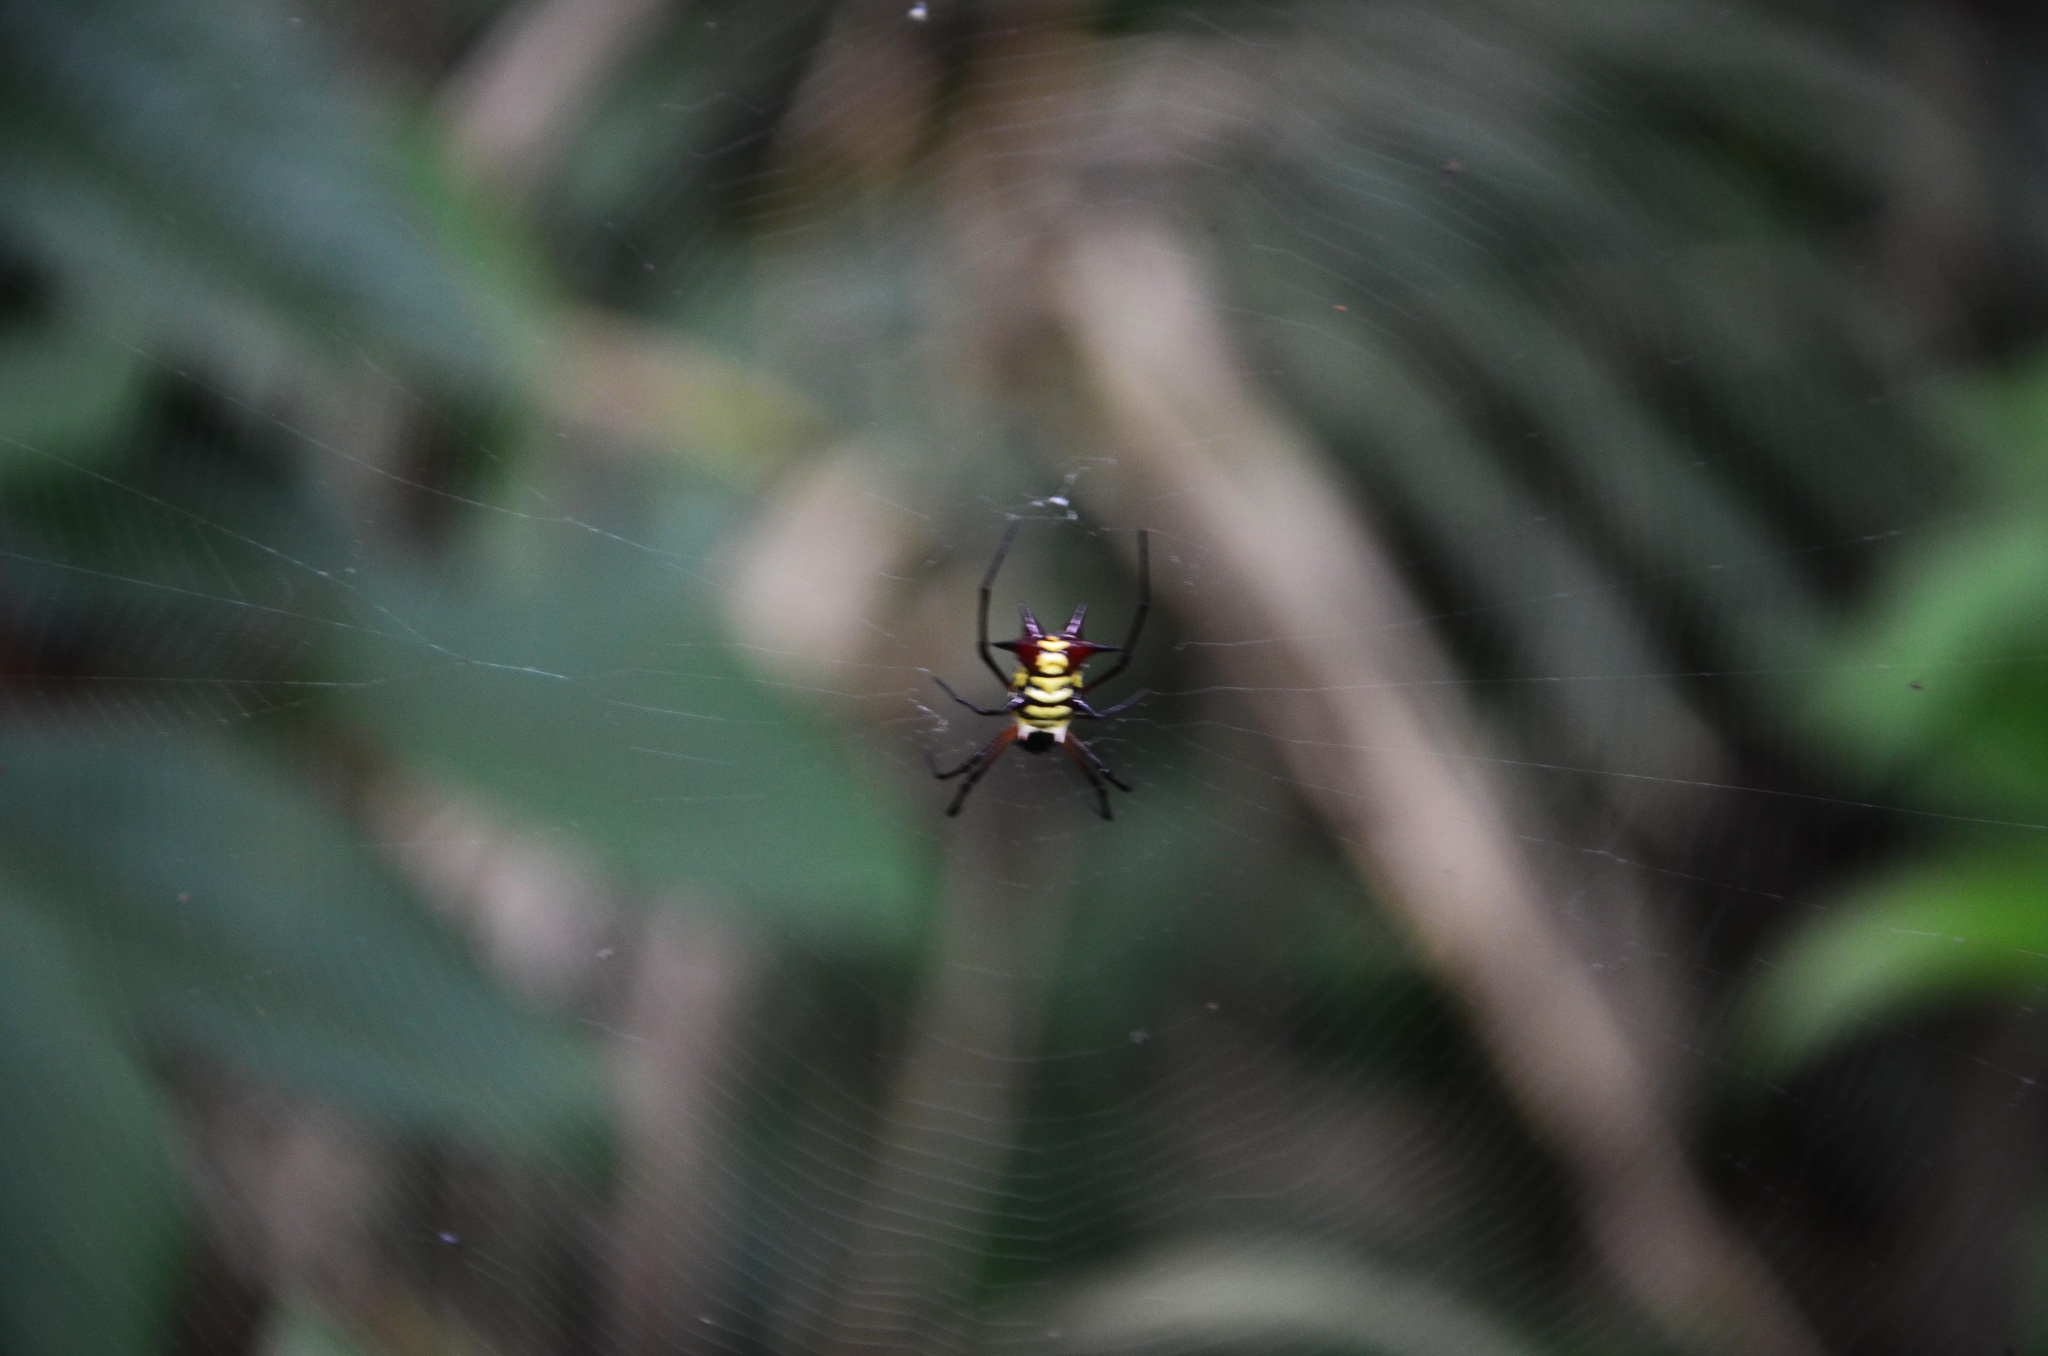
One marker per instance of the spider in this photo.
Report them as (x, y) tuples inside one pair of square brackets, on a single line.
[(1046, 690)]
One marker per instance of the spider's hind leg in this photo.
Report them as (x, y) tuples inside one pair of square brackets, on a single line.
[(1091, 759), (976, 767), (1096, 771)]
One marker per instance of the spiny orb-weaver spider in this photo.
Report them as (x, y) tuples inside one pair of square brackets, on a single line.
[(1046, 691)]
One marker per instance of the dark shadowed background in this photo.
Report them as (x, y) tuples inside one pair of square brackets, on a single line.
[(485, 490)]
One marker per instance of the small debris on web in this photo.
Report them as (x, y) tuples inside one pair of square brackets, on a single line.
[(1140, 1036), (1062, 502), (450, 1239), (919, 12)]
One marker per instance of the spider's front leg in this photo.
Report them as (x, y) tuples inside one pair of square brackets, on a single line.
[(1087, 712), (1004, 709)]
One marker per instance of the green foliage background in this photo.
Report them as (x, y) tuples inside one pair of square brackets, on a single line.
[(1652, 379)]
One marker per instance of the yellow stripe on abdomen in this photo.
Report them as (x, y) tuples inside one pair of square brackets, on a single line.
[(1048, 698)]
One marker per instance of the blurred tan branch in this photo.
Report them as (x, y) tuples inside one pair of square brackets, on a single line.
[(694, 980), (643, 388), (513, 106), (1389, 766), (1209, 1295)]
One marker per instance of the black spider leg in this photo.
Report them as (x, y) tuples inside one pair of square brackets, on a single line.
[(1092, 757), (1130, 644), (1096, 771), (1003, 710), (977, 765), (1087, 712), (988, 582)]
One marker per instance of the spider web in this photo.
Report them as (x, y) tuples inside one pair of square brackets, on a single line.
[(1538, 417)]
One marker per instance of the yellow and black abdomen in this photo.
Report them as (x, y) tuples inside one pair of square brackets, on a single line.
[(1049, 684), (1048, 699)]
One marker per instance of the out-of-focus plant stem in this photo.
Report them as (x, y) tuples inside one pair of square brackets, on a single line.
[(692, 985), (1388, 761)]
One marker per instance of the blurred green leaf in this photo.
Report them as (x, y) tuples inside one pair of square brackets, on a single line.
[(187, 155), (1948, 686), (1942, 692), (161, 566), (296, 1330), (2003, 415), (64, 386), (598, 699), (1970, 927), (237, 912), (499, 248), (89, 1214)]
